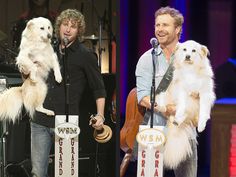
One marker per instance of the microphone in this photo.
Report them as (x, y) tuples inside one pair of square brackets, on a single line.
[(154, 42), (65, 41)]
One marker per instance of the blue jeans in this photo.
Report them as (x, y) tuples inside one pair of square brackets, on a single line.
[(188, 168), (41, 141)]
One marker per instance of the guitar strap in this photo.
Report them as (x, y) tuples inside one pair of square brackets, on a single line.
[(167, 78), (162, 87)]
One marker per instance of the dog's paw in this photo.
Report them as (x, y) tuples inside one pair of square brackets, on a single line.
[(160, 108), (40, 108), (50, 113), (33, 76), (33, 79), (201, 125), (58, 78)]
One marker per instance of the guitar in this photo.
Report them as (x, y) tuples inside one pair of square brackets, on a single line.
[(133, 118)]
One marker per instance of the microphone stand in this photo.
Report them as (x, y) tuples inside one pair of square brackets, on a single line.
[(153, 87), (4, 148), (4, 136), (66, 82)]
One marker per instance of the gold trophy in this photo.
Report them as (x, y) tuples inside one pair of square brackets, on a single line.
[(104, 134)]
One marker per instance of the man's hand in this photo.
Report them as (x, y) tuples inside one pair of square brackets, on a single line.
[(97, 122), (170, 110)]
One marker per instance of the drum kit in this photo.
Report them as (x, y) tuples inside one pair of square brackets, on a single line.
[(94, 40)]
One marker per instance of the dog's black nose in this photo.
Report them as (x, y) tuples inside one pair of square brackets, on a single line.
[(49, 36), (187, 57)]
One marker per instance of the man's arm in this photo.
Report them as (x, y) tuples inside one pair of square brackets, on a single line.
[(170, 108), (100, 103), (145, 102)]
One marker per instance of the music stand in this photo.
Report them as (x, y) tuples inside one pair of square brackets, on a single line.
[(4, 133)]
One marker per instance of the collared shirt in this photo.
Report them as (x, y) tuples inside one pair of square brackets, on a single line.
[(144, 75), (83, 72)]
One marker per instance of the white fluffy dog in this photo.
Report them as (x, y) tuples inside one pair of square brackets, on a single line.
[(192, 91), (36, 58)]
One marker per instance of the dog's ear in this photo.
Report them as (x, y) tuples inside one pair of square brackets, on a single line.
[(29, 24), (27, 31), (205, 51)]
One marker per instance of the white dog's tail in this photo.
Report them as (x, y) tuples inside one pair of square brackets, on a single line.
[(11, 104), (177, 147)]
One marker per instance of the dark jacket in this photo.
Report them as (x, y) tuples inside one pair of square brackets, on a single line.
[(83, 71)]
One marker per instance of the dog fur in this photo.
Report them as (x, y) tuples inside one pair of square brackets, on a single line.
[(192, 91), (35, 59)]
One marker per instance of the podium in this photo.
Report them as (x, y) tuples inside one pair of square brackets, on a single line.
[(222, 121), (150, 151), (66, 146)]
